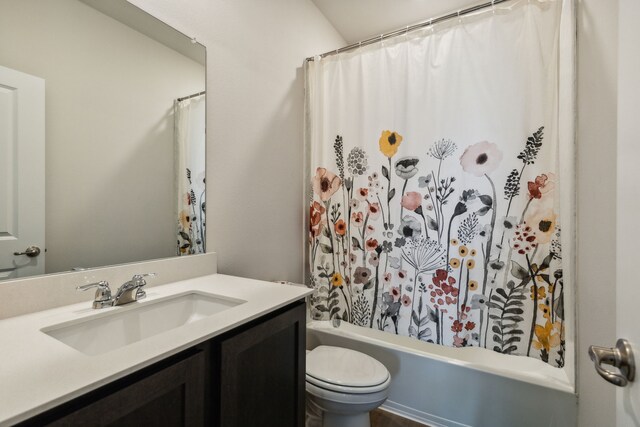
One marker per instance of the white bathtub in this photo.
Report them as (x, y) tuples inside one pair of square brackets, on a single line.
[(442, 386)]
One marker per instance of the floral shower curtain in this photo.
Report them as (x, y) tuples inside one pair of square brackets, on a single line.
[(189, 116), (435, 188)]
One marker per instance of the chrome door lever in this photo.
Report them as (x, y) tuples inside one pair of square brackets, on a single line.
[(620, 357), (31, 252)]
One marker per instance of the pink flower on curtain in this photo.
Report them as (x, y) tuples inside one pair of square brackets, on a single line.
[(362, 275), (325, 184), (374, 210), (387, 278), (458, 341), (357, 219), (362, 193), (406, 300), (411, 201)]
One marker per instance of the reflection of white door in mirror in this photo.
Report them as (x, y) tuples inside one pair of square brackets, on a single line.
[(22, 113)]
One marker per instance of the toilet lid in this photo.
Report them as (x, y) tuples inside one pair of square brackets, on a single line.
[(344, 367)]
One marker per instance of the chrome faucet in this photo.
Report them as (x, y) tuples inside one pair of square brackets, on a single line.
[(130, 291)]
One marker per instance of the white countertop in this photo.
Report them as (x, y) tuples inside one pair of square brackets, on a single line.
[(38, 372)]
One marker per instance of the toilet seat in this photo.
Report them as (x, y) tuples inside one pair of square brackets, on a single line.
[(345, 371), (348, 398), (347, 389)]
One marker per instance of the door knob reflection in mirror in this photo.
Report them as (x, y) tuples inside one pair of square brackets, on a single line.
[(620, 357), (31, 252)]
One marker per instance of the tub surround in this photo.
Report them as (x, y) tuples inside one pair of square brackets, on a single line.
[(40, 372), (443, 386), (512, 367)]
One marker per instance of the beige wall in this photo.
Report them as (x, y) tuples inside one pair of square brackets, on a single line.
[(255, 51), (596, 185), (108, 169)]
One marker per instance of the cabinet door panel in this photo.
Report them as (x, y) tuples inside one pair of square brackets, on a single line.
[(262, 373), (170, 396)]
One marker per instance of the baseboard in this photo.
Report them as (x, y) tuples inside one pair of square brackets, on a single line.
[(419, 416)]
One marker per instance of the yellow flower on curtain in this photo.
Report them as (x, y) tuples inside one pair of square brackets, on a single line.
[(389, 143), (185, 219), (542, 293), (336, 280), (545, 338), (543, 221), (546, 311)]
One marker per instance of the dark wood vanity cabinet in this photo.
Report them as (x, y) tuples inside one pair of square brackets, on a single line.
[(251, 376), (262, 373), (168, 393)]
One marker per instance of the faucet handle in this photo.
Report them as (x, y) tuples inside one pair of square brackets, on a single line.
[(138, 279), (101, 285), (102, 297), (138, 282)]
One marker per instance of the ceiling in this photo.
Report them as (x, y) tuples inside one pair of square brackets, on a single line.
[(358, 20)]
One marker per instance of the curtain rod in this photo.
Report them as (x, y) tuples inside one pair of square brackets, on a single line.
[(191, 96), (401, 31)]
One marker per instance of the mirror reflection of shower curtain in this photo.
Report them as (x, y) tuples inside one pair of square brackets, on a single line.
[(190, 169)]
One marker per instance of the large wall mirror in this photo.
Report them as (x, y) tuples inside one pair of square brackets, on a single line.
[(107, 105)]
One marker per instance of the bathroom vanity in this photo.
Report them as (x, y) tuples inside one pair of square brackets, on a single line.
[(236, 364)]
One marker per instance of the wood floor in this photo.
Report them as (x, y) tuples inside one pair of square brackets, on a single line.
[(380, 418)]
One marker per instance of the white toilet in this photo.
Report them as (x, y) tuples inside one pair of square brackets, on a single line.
[(346, 385)]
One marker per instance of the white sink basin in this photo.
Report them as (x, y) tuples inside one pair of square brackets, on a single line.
[(136, 321)]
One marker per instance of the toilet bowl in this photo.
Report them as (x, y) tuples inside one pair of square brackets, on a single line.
[(345, 385)]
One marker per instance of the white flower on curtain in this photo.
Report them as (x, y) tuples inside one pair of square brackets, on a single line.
[(190, 170), (454, 241)]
